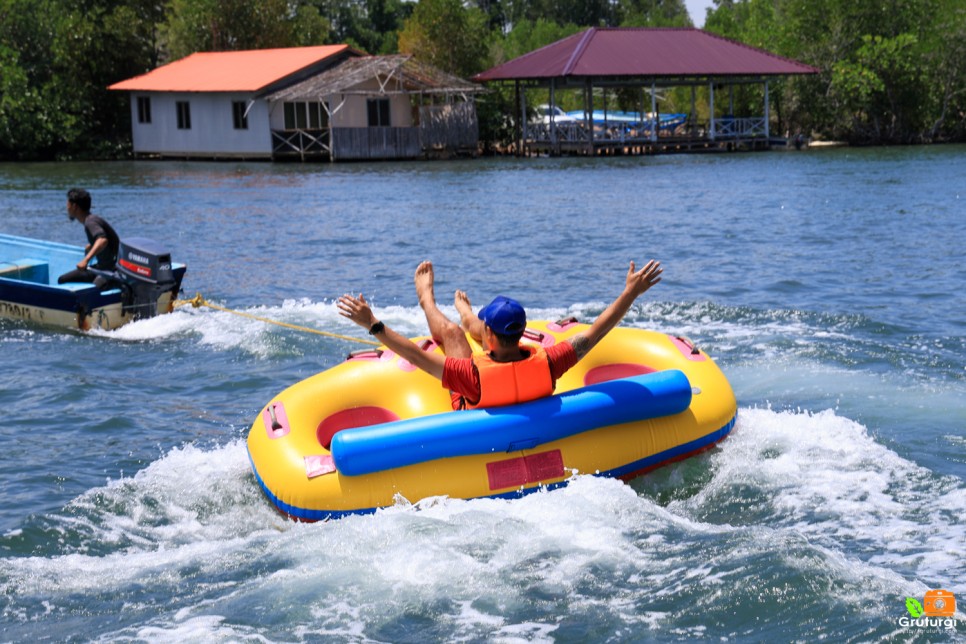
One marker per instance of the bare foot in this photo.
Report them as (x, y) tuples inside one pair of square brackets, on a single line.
[(462, 302), (424, 283), (469, 321)]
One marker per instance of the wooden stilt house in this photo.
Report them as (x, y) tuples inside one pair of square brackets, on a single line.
[(327, 102), (375, 107)]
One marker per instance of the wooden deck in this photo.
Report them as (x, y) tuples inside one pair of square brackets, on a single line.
[(576, 139)]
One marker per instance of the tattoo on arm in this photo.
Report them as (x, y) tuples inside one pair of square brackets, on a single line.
[(581, 345)]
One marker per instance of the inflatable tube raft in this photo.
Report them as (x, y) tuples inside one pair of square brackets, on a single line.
[(356, 437)]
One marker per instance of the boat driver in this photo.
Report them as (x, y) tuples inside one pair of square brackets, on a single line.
[(102, 241), (508, 372)]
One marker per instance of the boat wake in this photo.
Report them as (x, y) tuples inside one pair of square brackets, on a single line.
[(812, 494)]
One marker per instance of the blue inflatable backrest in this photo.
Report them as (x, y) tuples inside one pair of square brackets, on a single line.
[(375, 448)]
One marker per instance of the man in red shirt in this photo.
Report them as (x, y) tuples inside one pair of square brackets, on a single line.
[(508, 372)]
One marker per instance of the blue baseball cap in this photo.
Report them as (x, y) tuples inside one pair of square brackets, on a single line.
[(504, 316)]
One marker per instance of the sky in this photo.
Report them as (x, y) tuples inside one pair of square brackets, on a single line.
[(696, 9)]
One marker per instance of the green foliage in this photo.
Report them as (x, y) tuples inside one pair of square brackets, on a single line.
[(527, 36), (448, 35), (493, 110), (23, 128), (56, 61), (889, 73), (369, 25), (878, 85), (654, 13), (587, 13), (226, 25), (944, 53)]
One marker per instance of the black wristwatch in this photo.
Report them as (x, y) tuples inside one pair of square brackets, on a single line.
[(378, 327)]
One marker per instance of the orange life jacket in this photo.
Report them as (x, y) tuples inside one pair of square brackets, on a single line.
[(507, 383)]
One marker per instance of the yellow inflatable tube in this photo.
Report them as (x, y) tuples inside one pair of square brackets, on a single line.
[(357, 436)]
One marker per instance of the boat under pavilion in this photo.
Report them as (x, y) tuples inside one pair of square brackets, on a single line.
[(646, 61)]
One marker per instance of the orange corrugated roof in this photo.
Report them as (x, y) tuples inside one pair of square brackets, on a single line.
[(228, 71)]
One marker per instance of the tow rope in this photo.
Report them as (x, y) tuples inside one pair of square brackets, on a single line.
[(199, 301)]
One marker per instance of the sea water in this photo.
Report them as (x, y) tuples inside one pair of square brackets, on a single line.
[(827, 284)]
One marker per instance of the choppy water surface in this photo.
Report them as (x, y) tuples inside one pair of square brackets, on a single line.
[(827, 284)]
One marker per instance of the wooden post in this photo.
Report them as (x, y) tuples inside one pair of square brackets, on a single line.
[(711, 90), (767, 116), (640, 114), (554, 144), (589, 114), (694, 115)]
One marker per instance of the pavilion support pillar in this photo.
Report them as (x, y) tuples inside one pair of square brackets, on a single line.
[(589, 114), (711, 109), (767, 117), (554, 142), (642, 111), (523, 119), (693, 117), (654, 116)]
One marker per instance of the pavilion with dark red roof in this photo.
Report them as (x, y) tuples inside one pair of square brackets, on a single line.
[(599, 60)]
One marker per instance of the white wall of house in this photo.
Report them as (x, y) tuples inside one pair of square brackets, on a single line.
[(212, 131)]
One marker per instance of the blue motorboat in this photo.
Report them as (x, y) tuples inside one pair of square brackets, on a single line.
[(613, 118), (145, 283)]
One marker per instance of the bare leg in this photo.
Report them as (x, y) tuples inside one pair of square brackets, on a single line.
[(449, 336), (470, 322)]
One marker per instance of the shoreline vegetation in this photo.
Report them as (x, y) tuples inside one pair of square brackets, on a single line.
[(887, 76)]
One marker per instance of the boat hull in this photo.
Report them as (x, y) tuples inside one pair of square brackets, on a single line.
[(29, 290), (656, 402)]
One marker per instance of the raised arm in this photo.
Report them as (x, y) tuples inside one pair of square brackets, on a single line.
[(358, 310), (636, 284)]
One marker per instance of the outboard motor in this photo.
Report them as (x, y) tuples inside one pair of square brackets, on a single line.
[(144, 271)]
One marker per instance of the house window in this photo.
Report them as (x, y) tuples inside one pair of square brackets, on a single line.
[(295, 116), (301, 116), (184, 115), (378, 112), (144, 109), (238, 116), (318, 115)]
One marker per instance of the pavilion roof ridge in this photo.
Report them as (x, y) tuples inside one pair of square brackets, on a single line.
[(585, 39), (539, 50)]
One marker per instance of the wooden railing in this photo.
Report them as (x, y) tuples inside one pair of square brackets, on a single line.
[(301, 143), (739, 128), (575, 132), (569, 131)]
